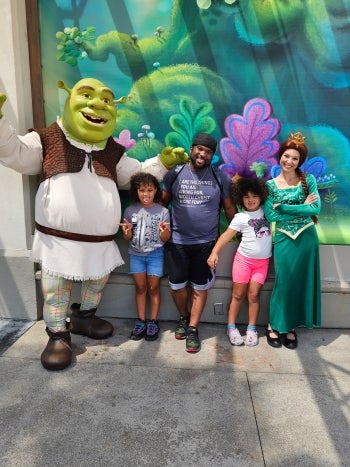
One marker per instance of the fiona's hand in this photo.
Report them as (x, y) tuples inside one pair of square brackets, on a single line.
[(311, 198)]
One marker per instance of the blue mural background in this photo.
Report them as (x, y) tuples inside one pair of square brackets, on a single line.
[(247, 71)]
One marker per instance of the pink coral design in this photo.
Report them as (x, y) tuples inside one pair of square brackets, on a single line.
[(125, 140)]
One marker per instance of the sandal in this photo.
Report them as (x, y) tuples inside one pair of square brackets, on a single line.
[(273, 341), (234, 336), (251, 338)]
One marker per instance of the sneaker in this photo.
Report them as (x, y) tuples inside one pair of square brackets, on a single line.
[(251, 338), (181, 328), (139, 330), (234, 336), (152, 330), (193, 344)]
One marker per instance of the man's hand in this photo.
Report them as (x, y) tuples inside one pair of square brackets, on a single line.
[(2, 100), (170, 157)]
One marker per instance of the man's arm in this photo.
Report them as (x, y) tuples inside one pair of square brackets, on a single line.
[(229, 208), (227, 203), (165, 198)]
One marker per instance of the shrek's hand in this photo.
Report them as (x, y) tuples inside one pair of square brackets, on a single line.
[(170, 157), (2, 100)]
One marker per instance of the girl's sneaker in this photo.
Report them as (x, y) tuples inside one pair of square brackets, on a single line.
[(152, 330), (139, 330), (234, 336), (251, 338)]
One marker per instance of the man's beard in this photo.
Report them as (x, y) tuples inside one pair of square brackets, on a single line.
[(194, 163)]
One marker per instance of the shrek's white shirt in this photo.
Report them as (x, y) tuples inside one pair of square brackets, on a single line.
[(80, 202)]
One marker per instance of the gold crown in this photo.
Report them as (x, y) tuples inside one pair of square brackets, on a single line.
[(297, 138)]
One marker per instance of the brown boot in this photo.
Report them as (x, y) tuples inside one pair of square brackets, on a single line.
[(85, 322), (57, 354)]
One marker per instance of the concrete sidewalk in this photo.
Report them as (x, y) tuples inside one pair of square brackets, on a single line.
[(126, 403)]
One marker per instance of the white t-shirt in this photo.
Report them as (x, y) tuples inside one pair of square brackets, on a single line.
[(256, 234)]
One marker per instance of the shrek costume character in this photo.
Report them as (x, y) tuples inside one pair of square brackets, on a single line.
[(77, 207)]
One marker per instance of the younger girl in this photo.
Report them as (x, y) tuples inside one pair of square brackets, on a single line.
[(146, 226), (251, 261)]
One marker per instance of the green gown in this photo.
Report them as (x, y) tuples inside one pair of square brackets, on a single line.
[(296, 295)]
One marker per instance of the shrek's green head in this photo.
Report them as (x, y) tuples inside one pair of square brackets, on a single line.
[(89, 113)]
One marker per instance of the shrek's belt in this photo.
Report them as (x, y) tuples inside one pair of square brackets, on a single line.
[(74, 236)]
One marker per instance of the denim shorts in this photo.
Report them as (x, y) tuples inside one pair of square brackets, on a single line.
[(151, 264)]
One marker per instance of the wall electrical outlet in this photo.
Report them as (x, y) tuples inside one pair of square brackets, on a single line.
[(218, 308)]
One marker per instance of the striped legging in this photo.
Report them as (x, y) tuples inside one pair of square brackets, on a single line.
[(57, 292)]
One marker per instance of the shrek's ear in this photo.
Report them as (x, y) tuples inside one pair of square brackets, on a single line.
[(62, 85), (121, 100)]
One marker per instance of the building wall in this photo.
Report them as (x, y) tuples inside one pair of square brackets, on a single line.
[(17, 282), (19, 290)]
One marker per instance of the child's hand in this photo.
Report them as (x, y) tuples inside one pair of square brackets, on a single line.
[(164, 231), (213, 260), (163, 226), (126, 228)]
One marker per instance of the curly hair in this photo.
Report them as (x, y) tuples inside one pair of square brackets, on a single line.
[(242, 186), (143, 178)]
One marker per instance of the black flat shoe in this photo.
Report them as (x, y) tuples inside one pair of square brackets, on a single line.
[(291, 343), (273, 341)]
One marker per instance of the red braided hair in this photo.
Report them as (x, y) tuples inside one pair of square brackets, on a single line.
[(305, 188)]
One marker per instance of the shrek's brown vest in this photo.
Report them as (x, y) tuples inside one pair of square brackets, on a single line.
[(62, 157)]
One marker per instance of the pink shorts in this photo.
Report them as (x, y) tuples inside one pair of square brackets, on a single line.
[(246, 269)]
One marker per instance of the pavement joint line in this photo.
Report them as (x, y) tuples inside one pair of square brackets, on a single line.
[(255, 418)]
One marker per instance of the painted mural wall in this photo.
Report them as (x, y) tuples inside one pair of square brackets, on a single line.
[(247, 71)]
